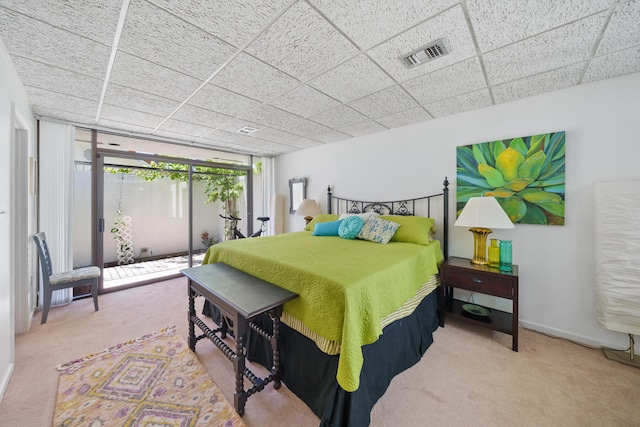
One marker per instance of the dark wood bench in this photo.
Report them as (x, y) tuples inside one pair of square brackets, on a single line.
[(240, 297)]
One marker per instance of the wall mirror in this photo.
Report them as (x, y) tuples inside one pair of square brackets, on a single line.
[(297, 193)]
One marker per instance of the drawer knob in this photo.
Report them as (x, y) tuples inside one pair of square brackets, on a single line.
[(476, 280)]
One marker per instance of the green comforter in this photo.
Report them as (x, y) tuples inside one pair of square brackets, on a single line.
[(346, 286)]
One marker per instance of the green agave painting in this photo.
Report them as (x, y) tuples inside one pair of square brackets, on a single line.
[(526, 175)]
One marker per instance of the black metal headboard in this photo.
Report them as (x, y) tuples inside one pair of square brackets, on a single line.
[(397, 207)]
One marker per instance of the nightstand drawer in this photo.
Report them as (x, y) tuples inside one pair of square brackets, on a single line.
[(480, 282)]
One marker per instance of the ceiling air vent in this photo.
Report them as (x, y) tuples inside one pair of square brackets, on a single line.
[(424, 54), (247, 130)]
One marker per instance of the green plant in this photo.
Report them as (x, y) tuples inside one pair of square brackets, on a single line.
[(526, 176), (207, 240)]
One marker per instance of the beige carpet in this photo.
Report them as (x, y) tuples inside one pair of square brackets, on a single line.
[(469, 376)]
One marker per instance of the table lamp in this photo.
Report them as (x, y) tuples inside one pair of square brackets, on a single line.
[(308, 209), (482, 214)]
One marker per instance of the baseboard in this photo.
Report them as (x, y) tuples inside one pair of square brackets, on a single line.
[(580, 339), (5, 380)]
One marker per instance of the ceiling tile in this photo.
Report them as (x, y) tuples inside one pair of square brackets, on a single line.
[(461, 103), (539, 83), (501, 22), (613, 65), (331, 136), (235, 22), (94, 19), (270, 116), (128, 127), (270, 134), (450, 26), (457, 79), (384, 103), (37, 74), (403, 118), (71, 104), (246, 143), (307, 128), (184, 128), (136, 73), (370, 22), (305, 101), (623, 30), (197, 115), (253, 78), (354, 79), (217, 99), (339, 117), (363, 128), (54, 113), (553, 49), (124, 115), (159, 37), (302, 43), (29, 38), (140, 101)]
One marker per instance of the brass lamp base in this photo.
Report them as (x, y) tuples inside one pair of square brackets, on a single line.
[(623, 356), (480, 245), (308, 218)]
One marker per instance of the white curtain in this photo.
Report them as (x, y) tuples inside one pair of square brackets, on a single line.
[(56, 157), (268, 189), (617, 255)]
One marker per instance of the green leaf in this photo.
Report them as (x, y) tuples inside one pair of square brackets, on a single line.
[(477, 154), (537, 144), (519, 145), (500, 193), (473, 179), (514, 206), (531, 167), (534, 215), (537, 196), (554, 208), (465, 159), (519, 184), (492, 175), (497, 147), (508, 162)]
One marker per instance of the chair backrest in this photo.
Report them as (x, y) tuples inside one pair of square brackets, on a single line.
[(45, 257)]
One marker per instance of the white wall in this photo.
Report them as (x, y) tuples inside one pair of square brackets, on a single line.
[(602, 124), (13, 101)]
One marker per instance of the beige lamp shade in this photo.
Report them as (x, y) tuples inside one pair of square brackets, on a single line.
[(481, 214), (308, 209)]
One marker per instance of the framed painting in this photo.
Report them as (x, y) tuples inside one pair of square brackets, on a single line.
[(525, 174)]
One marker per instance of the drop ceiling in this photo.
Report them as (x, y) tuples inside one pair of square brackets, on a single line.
[(306, 72)]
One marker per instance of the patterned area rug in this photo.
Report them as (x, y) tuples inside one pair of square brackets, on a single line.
[(154, 380)]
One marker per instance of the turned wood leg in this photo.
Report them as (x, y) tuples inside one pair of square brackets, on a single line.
[(275, 346), (192, 312), (239, 397)]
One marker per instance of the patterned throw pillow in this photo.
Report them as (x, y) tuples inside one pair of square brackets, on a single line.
[(378, 230), (350, 227)]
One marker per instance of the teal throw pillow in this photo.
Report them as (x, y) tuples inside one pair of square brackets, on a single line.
[(327, 228), (350, 227)]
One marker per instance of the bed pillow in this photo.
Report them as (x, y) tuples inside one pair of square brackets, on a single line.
[(415, 229), (327, 228), (378, 230), (365, 216), (350, 227), (321, 218)]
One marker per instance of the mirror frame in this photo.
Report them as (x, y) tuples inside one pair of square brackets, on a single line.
[(294, 187)]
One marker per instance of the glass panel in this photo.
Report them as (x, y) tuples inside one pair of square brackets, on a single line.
[(82, 200)]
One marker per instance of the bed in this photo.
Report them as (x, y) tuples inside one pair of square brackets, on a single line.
[(367, 310)]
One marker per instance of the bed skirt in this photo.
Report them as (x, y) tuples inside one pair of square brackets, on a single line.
[(311, 374)]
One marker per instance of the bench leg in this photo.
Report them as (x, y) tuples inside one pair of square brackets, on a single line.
[(240, 397), (192, 312), (275, 347)]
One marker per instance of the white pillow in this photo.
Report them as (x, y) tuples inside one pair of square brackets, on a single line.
[(365, 216)]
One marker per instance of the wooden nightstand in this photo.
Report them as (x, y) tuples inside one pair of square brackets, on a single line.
[(462, 274)]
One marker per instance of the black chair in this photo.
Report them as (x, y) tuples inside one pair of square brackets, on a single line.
[(69, 279)]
